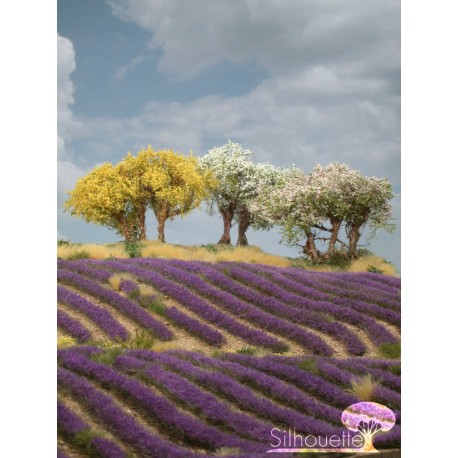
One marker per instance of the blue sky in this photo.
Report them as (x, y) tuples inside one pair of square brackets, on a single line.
[(300, 82)]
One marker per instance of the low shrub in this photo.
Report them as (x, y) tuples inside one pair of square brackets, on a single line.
[(133, 248), (374, 270), (153, 304), (247, 351), (210, 247), (391, 350), (308, 365), (395, 369), (108, 355), (143, 340)]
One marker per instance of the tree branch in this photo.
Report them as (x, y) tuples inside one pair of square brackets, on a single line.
[(323, 228), (342, 243), (322, 238)]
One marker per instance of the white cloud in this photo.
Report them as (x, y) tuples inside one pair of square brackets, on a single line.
[(281, 36), (122, 71), (67, 171), (65, 66), (332, 94), (316, 115)]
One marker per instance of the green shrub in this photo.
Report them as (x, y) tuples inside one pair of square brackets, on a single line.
[(364, 252), (374, 270), (108, 355), (210, 247), (153, 304), (308, 365), (395, 369), (134, 295), (63, 242), (133, 248), (217, 353), (338, 260), (282, 348), (83, 439), (247, 351), (143, 340), (391, 350)]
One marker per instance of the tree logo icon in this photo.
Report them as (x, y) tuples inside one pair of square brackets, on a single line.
[(368, 418), (365, 419)]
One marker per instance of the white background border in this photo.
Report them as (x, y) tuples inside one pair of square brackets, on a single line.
[(28, 227)]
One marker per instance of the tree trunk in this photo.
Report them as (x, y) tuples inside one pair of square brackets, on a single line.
[(142, 224), (160, 229), (353, 242), (162, 214), (125, 230), (335, 227), (228, 216), (244, 223), (310, 248)]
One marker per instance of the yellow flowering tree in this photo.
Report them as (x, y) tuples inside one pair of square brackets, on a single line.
[(118, 197), (174, 183), (105, 196)]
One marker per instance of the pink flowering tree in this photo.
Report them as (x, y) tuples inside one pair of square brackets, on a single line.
[(287, 204), (369, 205), (318, 205)]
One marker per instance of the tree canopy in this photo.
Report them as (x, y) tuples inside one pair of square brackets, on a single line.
[(106, 197), (306, 206), (325, 205), (118, 197), (239, 180)]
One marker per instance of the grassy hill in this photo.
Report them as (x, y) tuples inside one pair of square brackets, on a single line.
[(196, 358)]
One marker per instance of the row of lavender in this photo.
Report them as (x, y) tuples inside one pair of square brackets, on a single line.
[(191, 403), (240, 298)]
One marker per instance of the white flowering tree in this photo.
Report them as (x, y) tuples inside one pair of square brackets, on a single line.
[(306, 206), (238, 182), (264, 175)]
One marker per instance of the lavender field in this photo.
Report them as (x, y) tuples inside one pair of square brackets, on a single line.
[(184, 404), (185, 358)]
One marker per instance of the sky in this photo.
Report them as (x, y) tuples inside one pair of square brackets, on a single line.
[(297, 81)]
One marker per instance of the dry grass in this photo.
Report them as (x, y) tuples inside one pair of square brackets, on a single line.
[(362, 265), (65, 341), (146, 290), (214, 253), (227, 451), (251, 254), (165, 346), (116, 279), (364, 387), (92, 251), (155, 249)]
